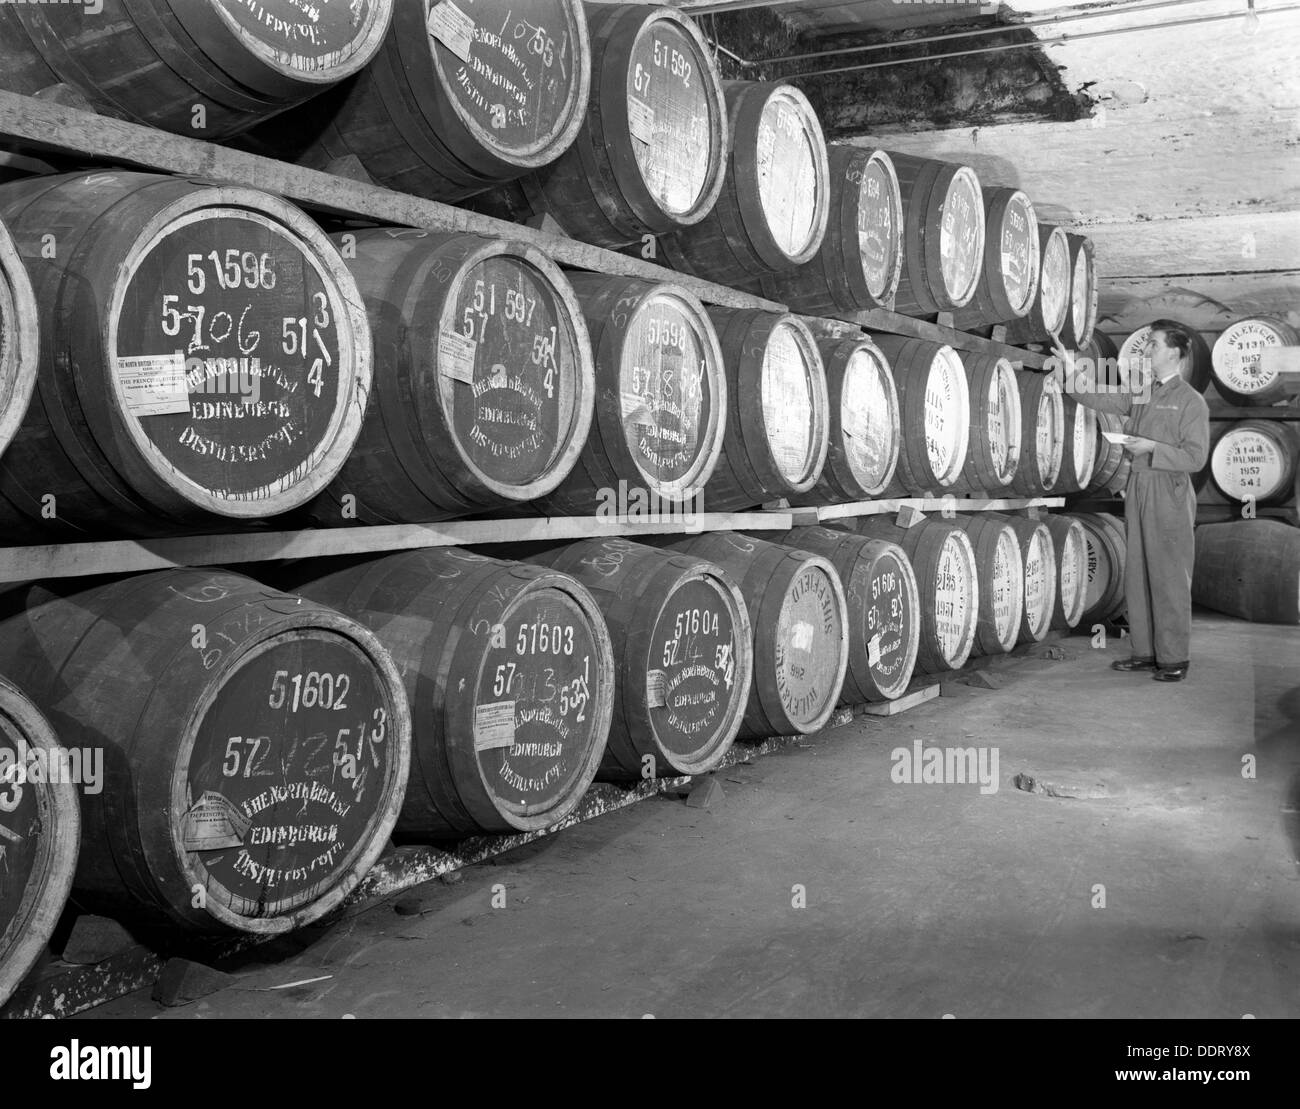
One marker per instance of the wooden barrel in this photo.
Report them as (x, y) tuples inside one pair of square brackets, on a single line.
[(1198, 369), (651, 155), (1038, 551), (20, 339), (661, 397), (777, 428), (1071, 548), (460, 98), (157, 62), (883, 609), (1008, 283), (505, 414), (255, 746), (1249, 568), (1241, 374), (1042, 411), (800, 623), (943, 560), (1106, 547), (683, 654), (943, 235), (860, 260), (510, 675), (1000, 570), (1050, 306), (993, 452), (772, 212), (205, 355), (1257, 459), (1081, 318), (40, 828), (1111, 467), (1078, 446), (934, 414), (864, 428)]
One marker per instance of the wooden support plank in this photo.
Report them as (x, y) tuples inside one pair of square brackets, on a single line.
[(903, 703), (880, 320), (120, 556), (928, 504), (41, 125)]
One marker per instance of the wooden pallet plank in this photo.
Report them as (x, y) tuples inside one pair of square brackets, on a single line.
[(903, 703), (880, 320), (119, 556), (45, 126), (854, 509)]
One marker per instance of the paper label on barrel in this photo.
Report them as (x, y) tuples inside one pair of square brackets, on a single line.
[(694, 639), (1246, 462), (153, 385), (1238, 355), (890, 619), (494, 725), (641, 120), (23, 830), (1054, 282), (664, 72), (942, 417), (960, 235), (1019, 250), (311, 38), (1007, 586), (267, 347), (655, 681), (451, 27), (787, 399), (520, 355), (1040, 579), (789, 188), (952, 600), (868, 420), (544, 660), (290, 767), (456, 356), (665, 389), (808, 645), (214, 823), (877, 228)]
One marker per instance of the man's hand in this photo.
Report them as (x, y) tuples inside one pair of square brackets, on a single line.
[(1139, 444), (1063, 371)]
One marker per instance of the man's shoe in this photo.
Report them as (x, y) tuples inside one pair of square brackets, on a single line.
[(1128, 664), (1175, 673)]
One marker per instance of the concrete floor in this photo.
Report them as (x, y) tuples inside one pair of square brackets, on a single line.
[(921, 899)]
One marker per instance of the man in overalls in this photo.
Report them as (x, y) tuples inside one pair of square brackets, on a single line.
[(1167, 431)]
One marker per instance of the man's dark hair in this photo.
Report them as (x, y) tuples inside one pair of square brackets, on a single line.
[(1175, 336)]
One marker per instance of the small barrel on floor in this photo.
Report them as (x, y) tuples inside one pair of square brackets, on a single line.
[(1071, 548), (203, 69), (1103, 536), (683, 654), (994, 445), (1051, 305), (502, 413), (948, 586), (943, 236), (883, 609), (1198, 369), (864, 430), (40, 830), (1038, 551), (661, 399), (651, 155), (457, 100), (1008, 281), (1042, 413), (1256, 461), (510, 674), (205, 356), (934, 414), (1000, 570), (1250, 569), (799, 618), (20, 339), (777, 428), (860, 261), (1243, 374), (771, 215), (260, 742)]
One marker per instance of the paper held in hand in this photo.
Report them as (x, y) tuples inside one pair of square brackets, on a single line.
[(1114, 436)]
